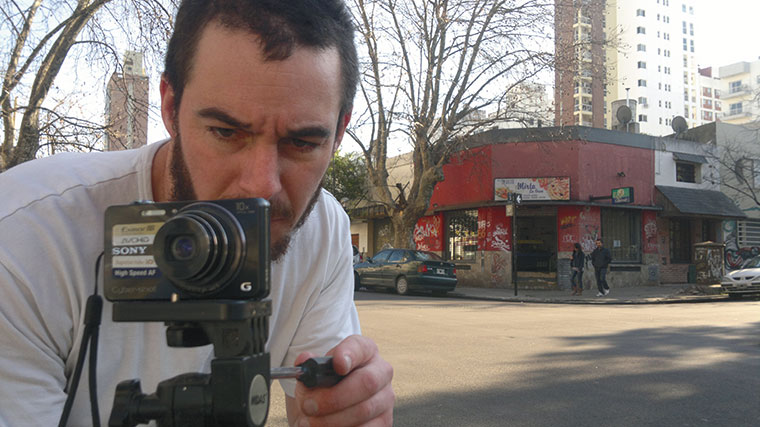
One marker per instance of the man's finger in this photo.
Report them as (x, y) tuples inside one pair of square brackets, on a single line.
[(351, 353), (379, 407)]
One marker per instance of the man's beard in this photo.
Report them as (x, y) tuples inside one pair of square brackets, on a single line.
[(183, 190)]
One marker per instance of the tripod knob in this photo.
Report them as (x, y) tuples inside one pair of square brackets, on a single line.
[(126, 404)]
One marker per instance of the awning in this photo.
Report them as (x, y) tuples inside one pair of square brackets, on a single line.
[(693, 158), (691, 201)]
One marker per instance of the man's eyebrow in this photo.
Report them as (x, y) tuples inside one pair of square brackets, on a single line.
[(309, 131), (217, 114)]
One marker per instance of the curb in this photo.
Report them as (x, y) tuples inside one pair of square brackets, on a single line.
[(596, 301)]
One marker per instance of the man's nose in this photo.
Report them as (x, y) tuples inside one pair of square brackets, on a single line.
[(260, 171)]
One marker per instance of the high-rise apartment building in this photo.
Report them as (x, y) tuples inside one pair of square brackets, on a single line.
[(613, 50), (740, 93), (127, 105), (710, 104)]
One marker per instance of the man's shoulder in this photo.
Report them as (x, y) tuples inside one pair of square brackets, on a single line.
[(64, 175)]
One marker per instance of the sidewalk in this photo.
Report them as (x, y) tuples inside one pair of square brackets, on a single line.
[(661, 294)]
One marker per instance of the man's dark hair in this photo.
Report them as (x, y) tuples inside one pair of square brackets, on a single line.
[(282, 25)]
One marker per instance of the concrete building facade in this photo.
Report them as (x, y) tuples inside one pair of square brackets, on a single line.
[(127, 105)]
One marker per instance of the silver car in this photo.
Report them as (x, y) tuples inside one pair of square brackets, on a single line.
[(744, 281)]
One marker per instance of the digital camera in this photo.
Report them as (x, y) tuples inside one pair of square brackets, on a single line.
[(187, 250)]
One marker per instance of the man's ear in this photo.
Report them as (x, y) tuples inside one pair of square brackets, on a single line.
[(342, 125), (168, 107)]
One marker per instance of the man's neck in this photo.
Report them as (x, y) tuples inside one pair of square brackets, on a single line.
[(160, 177)]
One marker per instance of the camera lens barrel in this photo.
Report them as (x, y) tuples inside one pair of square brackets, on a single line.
[(200, 248)]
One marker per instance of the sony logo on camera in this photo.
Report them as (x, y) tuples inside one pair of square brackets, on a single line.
[(187, 250)]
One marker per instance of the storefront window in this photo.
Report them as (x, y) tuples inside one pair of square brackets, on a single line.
[(462, 235), (621, 232)]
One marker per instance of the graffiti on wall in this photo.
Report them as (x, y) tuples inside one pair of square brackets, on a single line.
[(735, 256), (567, 227), (650, 245), (589, 222), (709, 266), (428, 234), (499, 267), (494, 229)]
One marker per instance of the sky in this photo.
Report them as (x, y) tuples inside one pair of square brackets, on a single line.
[(727, 31)]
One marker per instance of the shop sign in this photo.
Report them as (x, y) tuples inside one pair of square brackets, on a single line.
[(622, 195), (549, 188)]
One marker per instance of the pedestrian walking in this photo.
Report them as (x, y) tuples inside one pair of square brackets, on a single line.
[(577, 263), (600, 259)]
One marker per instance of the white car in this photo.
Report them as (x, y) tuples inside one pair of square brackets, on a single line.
[(744, 281)]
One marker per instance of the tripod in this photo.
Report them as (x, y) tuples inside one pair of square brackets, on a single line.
[(236, 393)]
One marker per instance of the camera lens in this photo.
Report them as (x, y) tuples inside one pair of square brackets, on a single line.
[(200, 249), (183, 248)]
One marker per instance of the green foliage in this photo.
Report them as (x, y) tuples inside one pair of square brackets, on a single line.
[(346, 179)]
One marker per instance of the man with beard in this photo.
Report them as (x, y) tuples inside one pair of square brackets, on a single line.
[(256, 96)]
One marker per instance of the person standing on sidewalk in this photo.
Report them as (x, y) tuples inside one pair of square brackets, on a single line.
[(577, 263), (600, 259)]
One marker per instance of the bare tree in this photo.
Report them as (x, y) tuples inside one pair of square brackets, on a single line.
[(39, 36), (738, 161), (431, 68)]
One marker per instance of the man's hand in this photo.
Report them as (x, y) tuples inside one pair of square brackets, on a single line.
[(363, 398)]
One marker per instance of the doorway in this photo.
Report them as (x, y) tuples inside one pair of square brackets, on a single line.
[(536, 255)]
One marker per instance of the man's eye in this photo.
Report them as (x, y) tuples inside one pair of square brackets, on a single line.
[(223, 132), (304, 144)]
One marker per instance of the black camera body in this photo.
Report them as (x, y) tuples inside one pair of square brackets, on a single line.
[(187, 251)]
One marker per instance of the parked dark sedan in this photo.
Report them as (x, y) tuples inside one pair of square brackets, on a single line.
[(406, 270)]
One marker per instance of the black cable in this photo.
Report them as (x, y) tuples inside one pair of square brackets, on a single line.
[(94, 321), (92, 316)]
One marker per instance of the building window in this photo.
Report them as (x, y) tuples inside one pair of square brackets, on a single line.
[(462, 235), (642, 117), (621, 233), (748, 233), (707, 115), (691, 44), (734, 87), (642, 64), (684, 27), (748, 171), (641, 48), (642, 83), (691, 29), (643, 101), (735, 108), (685, 44), (640, 12), (686, 172), (641, 30), (680, 241)]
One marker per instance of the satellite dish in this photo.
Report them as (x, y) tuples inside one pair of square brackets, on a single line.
[(624, 114), (679, 124)]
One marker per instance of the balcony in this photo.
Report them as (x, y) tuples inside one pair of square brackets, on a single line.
[(737, 92), (735, 115)]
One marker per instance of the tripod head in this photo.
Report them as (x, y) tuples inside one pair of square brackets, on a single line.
[(236, 393)]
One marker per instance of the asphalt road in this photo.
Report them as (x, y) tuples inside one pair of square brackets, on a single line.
[(472, 363)]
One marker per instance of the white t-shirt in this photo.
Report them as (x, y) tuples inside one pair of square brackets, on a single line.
[(51, 233)]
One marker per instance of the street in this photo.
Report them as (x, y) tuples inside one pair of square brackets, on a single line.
[(472, 363)]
